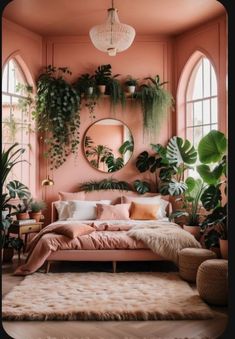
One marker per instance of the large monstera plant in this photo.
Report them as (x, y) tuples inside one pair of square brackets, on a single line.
[(170, 163), (212, 151)]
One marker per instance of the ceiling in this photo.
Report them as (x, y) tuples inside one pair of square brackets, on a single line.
[(76, 17)]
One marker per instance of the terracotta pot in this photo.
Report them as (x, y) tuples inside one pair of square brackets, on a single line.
[(22, 216), (131, 89), (223, 248), (8, 254), (194, 230), (102, 88), (35, 215)]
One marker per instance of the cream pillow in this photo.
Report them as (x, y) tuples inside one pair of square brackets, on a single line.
[(161, 213), (84, 210), (62, 208)]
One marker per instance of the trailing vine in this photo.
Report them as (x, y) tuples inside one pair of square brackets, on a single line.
[(57, 114)]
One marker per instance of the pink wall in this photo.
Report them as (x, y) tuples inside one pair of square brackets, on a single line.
[(26, 47), (147, 56), (211, 40)]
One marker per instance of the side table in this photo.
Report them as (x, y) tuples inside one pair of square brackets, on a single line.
[(25, 230)]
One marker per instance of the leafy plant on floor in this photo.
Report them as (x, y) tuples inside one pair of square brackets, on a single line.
[(155, 102), (57, 114)]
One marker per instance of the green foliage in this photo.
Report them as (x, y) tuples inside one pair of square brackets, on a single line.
[(211, 197), (155, 102), (130, 81), (103, 74), (128, 145), (114, 164), (212, 147), (98, 153), (180, 152), (141, 186), (83, 83), (17, 189), (37, 205), (105, 184), (57, 114), (116, 92)]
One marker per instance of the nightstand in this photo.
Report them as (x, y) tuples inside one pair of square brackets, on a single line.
[(25, 230)]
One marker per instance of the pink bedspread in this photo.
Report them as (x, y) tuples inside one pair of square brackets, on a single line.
[(105, 237)]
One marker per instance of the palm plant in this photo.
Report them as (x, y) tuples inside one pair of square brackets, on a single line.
[(99, 154)]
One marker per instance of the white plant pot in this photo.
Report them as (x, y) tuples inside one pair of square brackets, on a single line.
[(131, 89), (90, 90)]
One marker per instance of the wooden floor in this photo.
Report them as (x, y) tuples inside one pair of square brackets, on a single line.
[(181, 329)]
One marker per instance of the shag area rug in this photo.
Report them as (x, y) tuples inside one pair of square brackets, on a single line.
[(104, 296)]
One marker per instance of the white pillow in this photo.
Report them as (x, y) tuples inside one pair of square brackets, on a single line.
[(161, 213), (62, 208), (84, 210)]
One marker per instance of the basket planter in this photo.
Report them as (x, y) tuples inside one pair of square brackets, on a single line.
[(223, 248), (194, 230)]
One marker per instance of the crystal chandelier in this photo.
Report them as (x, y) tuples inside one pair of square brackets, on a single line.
[(112, 36)]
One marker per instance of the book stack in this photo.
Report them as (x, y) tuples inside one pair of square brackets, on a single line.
[(24, 222)]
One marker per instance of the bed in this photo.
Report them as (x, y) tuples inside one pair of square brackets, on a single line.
[(111, 240)]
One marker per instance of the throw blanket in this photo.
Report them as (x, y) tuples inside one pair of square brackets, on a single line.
[(164, 238)]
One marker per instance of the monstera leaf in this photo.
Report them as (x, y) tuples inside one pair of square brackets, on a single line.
[(141, 186), (211, 177), (211, 197), (173, 187), (17, 189), (144, 161), (126, 146), (194, 187), (114, 164), (181, 151), (212, 147), (162, 152)]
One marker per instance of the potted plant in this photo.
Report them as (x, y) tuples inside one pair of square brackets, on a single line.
[(102, 76), (35, 209), (22, 210), (212, 150), (131, 84), (9, 159), (85, 85)]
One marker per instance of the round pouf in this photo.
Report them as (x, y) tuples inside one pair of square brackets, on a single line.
[(212, 281), (190, 259)]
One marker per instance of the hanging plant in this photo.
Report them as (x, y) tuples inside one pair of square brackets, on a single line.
[(155, 102), (116, 92), (57, 114)]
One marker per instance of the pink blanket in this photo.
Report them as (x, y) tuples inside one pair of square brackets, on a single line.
[(105, 236)]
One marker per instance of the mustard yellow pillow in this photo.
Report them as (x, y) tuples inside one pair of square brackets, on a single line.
[(143, 211)]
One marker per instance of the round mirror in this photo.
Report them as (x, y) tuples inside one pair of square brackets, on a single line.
[(108, 145)]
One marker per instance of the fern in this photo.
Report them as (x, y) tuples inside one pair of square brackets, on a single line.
[(105, 184)]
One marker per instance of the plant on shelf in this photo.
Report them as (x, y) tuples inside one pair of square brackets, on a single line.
[(155, 102), (116, 93), (35, 209), (57, 114), (102, 76), (131, 84)]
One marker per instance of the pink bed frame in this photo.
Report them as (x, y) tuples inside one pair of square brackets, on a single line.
[(104, 255)]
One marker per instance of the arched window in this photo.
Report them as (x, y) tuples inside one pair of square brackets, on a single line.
[(16, 119), (201, 101)]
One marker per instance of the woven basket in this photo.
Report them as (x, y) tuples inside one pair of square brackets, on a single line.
[(189, 261), (212, 281)]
